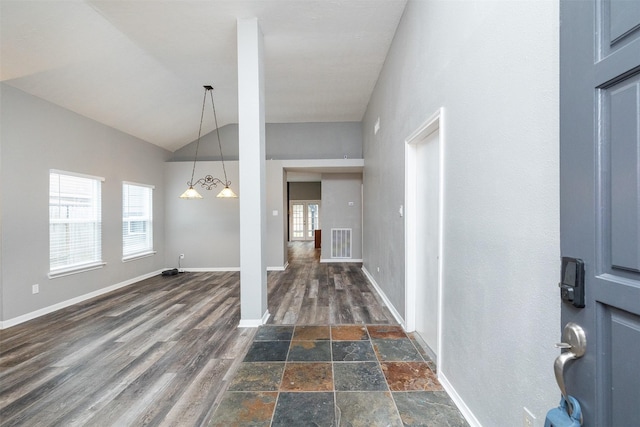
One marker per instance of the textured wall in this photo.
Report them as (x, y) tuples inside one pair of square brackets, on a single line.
[(284, 141), (493, 66), (38, 136), (341, 208), (207, 231)]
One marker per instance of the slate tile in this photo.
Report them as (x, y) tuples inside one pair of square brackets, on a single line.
[(359, 376), (309, 351), (428, 408), (386, 332), (366, 409), (311, 333), (400, 349), (263, 376), (304, 409), (242, 409), (267, 351), (353, 351), (349, 333), (408, 376), (274, 333), (315, 376)]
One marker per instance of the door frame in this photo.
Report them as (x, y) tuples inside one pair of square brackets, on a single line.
[(435, 123)]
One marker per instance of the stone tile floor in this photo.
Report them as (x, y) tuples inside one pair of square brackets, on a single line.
[(344, 375)]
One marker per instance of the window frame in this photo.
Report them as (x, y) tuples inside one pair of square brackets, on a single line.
[(91, 263), (128, 219)]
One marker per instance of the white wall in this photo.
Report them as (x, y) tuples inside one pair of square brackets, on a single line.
[(38, 136), (493, 66)]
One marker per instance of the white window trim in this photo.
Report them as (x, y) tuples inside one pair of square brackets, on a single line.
[(140, 255), (53, 274), (79, 175), (153, 187)]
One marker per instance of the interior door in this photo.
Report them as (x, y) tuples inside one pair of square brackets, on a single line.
[(428, 241), (600, 201), (305, 219)]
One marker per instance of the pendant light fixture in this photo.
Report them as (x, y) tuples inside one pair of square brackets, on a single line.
[(208, 182)]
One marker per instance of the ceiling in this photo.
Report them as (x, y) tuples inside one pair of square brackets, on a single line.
[(139, 65)]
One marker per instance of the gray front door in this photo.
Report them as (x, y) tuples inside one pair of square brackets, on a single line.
[(600, 201)]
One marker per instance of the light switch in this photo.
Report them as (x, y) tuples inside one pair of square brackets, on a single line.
[(274, 213)]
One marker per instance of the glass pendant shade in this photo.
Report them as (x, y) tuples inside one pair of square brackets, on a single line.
[(191, 193), (226, 193)]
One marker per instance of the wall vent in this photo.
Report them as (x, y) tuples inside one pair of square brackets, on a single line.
[(341, 243)]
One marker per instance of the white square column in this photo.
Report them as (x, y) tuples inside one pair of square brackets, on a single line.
[(253, 219)]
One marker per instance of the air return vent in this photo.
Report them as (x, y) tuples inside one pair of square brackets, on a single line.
[(341, 243)]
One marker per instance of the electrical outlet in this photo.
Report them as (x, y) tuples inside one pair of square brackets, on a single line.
[(181, 256), (35, 289), (528, 419)]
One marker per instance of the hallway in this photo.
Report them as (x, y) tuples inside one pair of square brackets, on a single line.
[(345, 362)]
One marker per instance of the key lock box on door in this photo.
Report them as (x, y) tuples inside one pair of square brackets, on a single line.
[(573, 345)]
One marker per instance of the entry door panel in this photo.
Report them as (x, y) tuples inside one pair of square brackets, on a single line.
[(600, 200)]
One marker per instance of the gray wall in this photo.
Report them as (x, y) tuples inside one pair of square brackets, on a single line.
[(493, 66), (284, 141), (338, 191), (305, 191), (207, 231), (38, 136)]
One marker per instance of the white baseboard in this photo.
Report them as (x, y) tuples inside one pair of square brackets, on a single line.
[(254, 323), (464, 409), (208, 269), (323, 260), (55, 307), (222, 269), (386, 300), (283, 268)]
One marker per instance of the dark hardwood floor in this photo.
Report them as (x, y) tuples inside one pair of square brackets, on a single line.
[(162, 351)]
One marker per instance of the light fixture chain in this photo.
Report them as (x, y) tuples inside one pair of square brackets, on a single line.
[(215, 118), (208, 182), (204, 99)]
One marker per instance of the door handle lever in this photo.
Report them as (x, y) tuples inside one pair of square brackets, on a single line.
[(558, 369), (575, 342)]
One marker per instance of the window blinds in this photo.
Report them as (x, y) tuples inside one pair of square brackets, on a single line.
[(137, 221), (75, 224)]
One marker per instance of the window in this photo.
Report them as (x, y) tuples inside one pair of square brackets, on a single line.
[(75, 223), (137, 224)]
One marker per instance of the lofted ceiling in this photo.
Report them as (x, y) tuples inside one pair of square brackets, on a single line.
[(139, 65)]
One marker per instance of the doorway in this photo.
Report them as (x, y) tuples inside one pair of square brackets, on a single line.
[(304, 219), (423, 233)]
